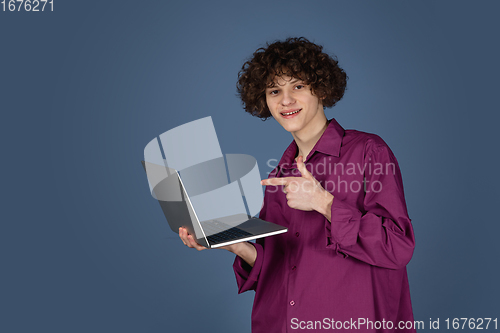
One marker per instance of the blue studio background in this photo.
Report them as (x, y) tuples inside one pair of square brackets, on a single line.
[(85, 248)]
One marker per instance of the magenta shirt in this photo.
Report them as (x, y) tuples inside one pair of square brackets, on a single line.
[(349, 274)]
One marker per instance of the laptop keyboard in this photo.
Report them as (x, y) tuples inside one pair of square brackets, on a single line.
[(222, 232)]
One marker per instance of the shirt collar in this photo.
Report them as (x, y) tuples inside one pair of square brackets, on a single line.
[(329, 143)]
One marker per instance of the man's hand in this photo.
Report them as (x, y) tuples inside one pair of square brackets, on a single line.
[(305, 192), (189, 240), (244, 250)]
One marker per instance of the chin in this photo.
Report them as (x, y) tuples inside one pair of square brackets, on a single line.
[(292, 128)]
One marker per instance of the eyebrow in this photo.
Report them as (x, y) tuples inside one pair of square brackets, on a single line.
[(274, 85)]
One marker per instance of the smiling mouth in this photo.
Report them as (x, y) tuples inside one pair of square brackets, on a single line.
[(290, 113)]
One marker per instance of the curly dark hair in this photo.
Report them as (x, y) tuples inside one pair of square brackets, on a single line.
[(294, 57)]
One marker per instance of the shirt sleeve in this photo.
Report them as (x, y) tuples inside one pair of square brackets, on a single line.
[(246, 275), (381, 234)]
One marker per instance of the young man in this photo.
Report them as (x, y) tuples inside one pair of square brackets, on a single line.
[(342, 263)]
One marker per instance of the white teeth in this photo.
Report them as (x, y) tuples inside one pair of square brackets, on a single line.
[(289, 113)]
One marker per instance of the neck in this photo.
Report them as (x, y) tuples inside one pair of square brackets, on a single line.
[(307, 140)]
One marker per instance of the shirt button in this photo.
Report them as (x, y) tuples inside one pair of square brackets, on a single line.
[(292, 303), (297, 234), (294, 267)]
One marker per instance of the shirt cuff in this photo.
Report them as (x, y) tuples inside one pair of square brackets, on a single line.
[(344, 226), (246, 275)]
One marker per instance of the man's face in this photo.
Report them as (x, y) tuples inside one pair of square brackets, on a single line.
[(293, 105)]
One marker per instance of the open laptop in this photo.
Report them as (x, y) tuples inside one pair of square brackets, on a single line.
[(178, 209)]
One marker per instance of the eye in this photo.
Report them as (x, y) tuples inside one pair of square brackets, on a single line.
[(299, 86), (273, 92)]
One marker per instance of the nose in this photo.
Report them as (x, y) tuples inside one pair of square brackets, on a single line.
[(287, 99)]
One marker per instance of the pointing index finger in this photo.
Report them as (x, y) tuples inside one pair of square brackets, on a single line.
[(276, 181)]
